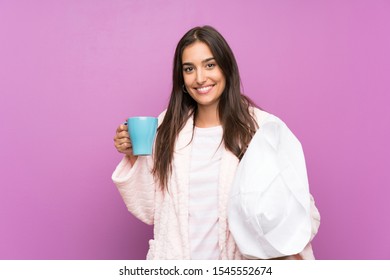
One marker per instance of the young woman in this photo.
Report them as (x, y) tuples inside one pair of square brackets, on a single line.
[(183, 188)]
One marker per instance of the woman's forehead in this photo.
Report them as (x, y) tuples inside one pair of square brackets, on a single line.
[(197, 52)]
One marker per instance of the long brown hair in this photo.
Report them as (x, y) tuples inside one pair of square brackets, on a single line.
[(238, 124)]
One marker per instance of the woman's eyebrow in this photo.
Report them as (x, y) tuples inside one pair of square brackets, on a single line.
[(208, 59), (203, 61)]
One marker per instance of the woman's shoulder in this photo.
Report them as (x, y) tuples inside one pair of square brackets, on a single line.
[(161, 116)]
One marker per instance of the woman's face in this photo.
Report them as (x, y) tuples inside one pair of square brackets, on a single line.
[(203, 78)]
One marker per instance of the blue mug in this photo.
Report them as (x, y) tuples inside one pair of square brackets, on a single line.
[(142, 132)]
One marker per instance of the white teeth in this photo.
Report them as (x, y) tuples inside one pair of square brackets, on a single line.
[(204, 89)]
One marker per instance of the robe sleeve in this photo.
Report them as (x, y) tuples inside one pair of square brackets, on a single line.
[(137, 186)]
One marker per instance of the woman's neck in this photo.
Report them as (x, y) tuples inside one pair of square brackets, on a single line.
[(207, 117)]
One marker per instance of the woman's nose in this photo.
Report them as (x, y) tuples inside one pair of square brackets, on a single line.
[(200, 77)]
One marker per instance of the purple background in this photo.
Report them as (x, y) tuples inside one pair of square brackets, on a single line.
[(71, 71)]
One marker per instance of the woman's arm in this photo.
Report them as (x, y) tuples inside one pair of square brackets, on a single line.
[(136, 186)]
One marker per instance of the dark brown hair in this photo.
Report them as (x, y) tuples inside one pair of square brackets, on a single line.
[(238, 124)]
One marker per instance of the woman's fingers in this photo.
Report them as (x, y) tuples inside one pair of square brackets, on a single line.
[(121, 128), (122, 140), (123, 134), (123, 147)]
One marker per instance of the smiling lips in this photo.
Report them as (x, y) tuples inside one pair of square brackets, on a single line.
[(204, 90)]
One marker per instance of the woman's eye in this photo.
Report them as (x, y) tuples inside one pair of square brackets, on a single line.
[(210, 65), (188, 69)]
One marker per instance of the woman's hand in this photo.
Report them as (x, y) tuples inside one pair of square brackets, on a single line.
[(123, 144)]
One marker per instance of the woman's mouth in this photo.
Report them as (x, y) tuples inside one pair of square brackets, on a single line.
[(205, 89)]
